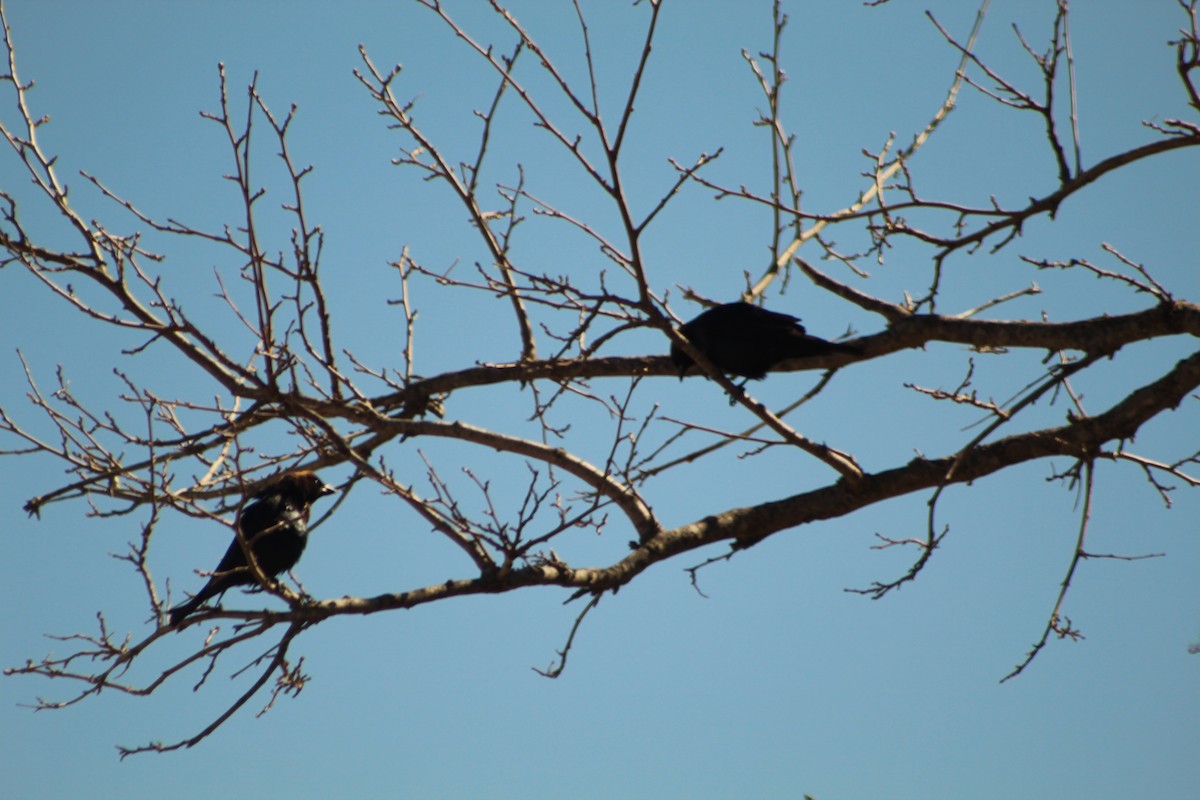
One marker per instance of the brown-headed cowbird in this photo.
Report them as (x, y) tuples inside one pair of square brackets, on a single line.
[(744, 339), (275, 526)]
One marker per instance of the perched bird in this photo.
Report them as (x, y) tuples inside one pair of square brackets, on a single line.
[(744, 339), (275, 526)]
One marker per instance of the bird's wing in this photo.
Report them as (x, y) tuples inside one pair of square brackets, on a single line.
[(782, 322)]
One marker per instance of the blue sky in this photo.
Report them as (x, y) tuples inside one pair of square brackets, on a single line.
[(779, 683)]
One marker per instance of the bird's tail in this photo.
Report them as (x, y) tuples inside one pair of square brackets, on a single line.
[(210, 589), (848, 349), (814, 346), (179, 612)]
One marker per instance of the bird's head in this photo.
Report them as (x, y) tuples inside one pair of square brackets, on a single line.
[(305, 486)]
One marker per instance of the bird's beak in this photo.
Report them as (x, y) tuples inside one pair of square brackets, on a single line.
[(326, 489)]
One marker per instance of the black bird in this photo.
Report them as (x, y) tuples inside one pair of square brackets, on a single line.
[(275, 526), (744, 339)]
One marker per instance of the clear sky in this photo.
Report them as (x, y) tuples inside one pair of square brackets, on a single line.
[(779, 683)]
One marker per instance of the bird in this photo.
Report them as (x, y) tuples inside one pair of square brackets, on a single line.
[(748, 340), (275, 526)]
